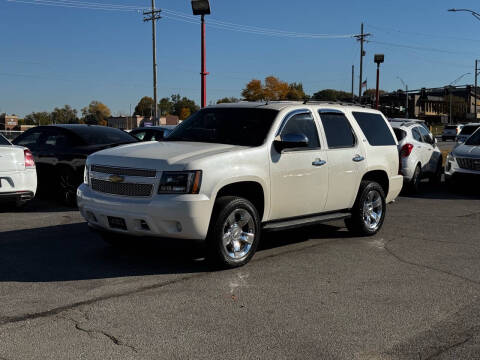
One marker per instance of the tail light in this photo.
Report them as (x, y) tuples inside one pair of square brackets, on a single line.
[(29, 160), (406, 150)]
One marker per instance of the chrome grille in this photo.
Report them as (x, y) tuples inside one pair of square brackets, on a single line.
[(124, 189), (469, 164), (123, 171)]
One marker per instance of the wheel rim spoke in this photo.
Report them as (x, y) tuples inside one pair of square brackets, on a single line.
[(238, 233)]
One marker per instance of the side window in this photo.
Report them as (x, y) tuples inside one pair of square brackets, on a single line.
[(375, 129), (55, 140), (140, 135), (157, 136), (303, 124), (416, 135), (30, 140), (338, 131), (425, 133)]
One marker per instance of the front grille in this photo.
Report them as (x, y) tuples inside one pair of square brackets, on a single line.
[(469, 164), (123, 171), (124, 189)]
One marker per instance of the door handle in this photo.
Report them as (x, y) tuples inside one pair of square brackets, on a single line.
[(358, 158), (319, 162)]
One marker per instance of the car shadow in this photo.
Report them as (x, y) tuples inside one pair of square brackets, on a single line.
[(37, 205), (442, 192), (73, 252)]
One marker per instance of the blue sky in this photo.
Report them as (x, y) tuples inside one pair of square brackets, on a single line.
[(51, 56)]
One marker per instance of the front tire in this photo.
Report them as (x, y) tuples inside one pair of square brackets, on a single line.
[(67, 187), (234, 232), (368, 213)]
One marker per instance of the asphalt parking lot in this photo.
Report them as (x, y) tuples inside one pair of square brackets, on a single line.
[(410, 292)]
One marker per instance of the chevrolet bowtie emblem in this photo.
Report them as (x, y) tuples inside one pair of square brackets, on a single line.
[(116, 179)]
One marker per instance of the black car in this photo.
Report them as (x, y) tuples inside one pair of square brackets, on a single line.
[(60, 152), (152, 133)]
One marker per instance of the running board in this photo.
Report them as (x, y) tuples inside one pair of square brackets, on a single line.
[(298, 222)]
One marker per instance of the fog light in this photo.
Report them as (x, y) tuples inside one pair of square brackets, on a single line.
[(91, 216), (179, 227), (144, 225)]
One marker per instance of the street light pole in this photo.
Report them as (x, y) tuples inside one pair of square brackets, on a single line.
[(202, 7), (379, 58), (474, 13), (475, 91)]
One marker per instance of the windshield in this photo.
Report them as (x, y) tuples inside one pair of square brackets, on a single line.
[(4, 141), (450, 127), (474, 140), (469, 130), (233, 126)]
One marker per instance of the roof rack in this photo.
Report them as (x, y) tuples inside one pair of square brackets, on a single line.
[(343, 103)]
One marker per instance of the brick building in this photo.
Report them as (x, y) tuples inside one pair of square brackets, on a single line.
[(8, 122)]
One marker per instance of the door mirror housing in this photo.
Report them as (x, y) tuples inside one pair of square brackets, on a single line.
[(290, 141)]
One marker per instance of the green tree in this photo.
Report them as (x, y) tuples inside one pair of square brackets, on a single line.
[(183, 102), (332, 95), (228, 100), (295, 92), (166, 107), (96, 113), (372, 93), (145, 107), (65, 115), (38, 118)]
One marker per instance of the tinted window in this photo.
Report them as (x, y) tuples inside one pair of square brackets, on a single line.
[(399, 133), (3, 141), (425, 133), (29, 139), (303, 124), (469, 129), (235, 126), (375, 129), (158, 135), (416, 135), (451, 127), (338, 131), (140, 135), (474, 140), (101, 135)]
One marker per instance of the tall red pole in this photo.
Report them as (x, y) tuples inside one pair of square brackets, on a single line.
[(378, 85), (204, 72)]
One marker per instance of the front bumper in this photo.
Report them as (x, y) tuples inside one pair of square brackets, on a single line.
[(162, 216)]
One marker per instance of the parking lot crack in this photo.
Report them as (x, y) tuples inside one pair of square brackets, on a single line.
[(444, 349), (91, 333), (428, 267)]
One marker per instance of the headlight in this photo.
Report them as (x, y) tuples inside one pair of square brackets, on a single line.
[(180, 182), (86, 175), (450, 157)]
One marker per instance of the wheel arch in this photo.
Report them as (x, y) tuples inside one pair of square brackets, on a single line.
[(380, 177)]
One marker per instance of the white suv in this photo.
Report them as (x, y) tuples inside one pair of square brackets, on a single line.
[(420, 156), (232, 170)]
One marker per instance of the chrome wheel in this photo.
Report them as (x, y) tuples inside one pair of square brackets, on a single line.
[(372, 210), (238, 233)]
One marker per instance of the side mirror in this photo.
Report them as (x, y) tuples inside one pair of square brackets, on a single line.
[(290, 141)]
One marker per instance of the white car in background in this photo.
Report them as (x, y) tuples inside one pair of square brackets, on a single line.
[(450, 132), (18, 175), (463, 163), (466, 132), (420, 156)]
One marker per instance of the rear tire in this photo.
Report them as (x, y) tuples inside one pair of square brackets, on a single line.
[(368, 212), (416, 179), (67, 187), (436, 178), (234, 232)]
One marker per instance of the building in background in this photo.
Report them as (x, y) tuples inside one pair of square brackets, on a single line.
[(8, 122), (133, 122), (433, 105)]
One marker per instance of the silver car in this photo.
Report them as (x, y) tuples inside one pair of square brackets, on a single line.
[(463, 163), (467, 130)]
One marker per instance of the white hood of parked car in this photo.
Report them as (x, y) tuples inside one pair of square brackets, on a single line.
[(158, 155)]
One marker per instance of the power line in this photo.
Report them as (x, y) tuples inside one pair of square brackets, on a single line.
[(422, 48), (178, 16)]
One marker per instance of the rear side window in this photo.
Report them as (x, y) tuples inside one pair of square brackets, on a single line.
[(338, 131), (399, 133), (375, 129), (3, 141), (102, 135), (416, 135)]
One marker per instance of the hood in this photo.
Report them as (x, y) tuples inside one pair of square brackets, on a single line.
[(467, 151), (158, 155)]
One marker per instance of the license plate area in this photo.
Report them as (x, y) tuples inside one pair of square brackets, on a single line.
[(117, 223)]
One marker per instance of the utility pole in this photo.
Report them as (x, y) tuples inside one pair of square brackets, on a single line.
[(353, 81), (154, 15), (361, 38), (476, 78)]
